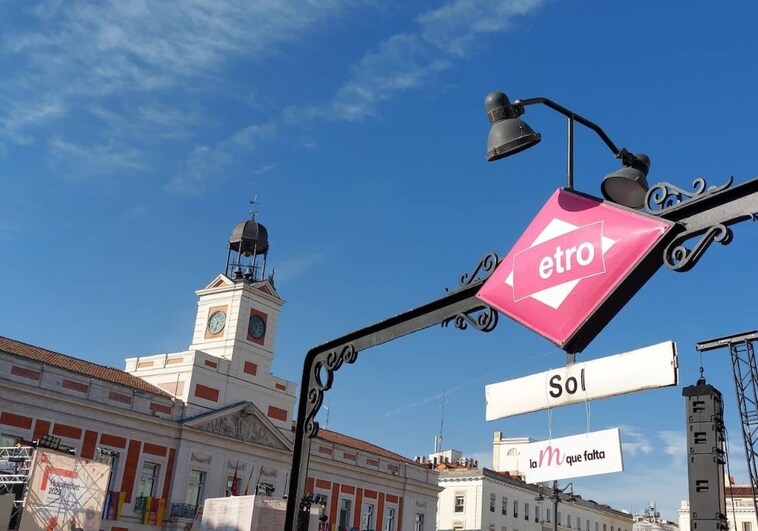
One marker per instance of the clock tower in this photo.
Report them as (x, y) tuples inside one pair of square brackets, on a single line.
[(238, 310), (229, 359)]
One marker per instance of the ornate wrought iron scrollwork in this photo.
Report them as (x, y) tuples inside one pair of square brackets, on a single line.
[(679, 258), (482, 317), (485, 319), (663, 196), (487, 264), (322, 377)]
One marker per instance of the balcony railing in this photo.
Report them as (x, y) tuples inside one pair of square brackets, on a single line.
[(139, 503), (183, 510)]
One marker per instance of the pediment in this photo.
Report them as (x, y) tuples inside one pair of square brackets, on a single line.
[(267, 287), (243, 422), (220, 280)]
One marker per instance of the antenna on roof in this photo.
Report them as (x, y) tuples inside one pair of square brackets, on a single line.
[(327, 408), (438, 438)]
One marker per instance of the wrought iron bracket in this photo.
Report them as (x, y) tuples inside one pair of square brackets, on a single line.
[(324, 366), (323, 361), (483, 317), (706, 212), (664, 196)]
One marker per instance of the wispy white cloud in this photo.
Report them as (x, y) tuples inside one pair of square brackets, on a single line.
[(94, 160), (294, 267), (455, 26), (113, 46), (88, 59), (212, 162), (674, 444), (80, 58), (634, 441), (263, 170), (410, 60)]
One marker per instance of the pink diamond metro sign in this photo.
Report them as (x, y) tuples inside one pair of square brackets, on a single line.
[(576, 265)]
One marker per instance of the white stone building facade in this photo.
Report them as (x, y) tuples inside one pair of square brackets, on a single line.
[(482, 499), (740, 509)]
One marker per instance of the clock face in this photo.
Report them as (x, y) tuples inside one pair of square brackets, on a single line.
[(256, 326), (216, 322)]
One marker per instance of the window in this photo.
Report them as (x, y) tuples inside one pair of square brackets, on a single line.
[(597, 527), (588, 525), (321, 501), (230, 484), (457, 527), (109, 457), (492, 503), (459, 503), (148, 480), (526, 511), (345, 522), (558, 519), (537, 513), (515, 508), (568, 521), (368, 516), (747, 526), (579, 524), (196, 487), (548, 515), (8, 441), (419, 522), (389, 519), (504, 505)]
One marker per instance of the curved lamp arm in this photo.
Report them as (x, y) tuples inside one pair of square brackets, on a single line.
[(627, 158)]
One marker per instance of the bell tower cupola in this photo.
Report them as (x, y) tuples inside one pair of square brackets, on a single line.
[(247, 252)]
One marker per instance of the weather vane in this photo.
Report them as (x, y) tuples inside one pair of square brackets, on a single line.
[(253, 213)]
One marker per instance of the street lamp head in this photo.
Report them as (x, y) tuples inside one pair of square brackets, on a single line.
[(628, 186), (508, 134)]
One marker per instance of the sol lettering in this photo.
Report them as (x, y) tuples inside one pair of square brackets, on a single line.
[(571, 256), (571, 386)]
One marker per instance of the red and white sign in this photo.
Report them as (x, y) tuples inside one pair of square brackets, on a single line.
[(573, 256), (589, 454), (64, 492)]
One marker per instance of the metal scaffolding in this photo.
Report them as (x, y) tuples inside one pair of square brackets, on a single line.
[(15, 465), (742, 353)]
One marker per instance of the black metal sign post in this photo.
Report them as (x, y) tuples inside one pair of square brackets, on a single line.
[(703, 215), (459, 306)]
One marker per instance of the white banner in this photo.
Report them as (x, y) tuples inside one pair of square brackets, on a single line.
[(645, 368), (589, 454), (64, 492)]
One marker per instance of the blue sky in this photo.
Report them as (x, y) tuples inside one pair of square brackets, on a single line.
[(133, 134)]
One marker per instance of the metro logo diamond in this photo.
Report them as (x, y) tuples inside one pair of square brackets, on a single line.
[(561, 261), (578, 257)]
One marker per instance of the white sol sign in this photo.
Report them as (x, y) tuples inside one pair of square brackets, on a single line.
[(589, 454), (645, 368)]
